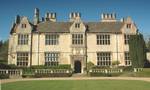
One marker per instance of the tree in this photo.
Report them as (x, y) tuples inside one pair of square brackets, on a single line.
[(1, 43), (137, 50), (4, 52), (148, 44)]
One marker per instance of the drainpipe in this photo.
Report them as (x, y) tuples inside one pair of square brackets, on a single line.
[(117, 46), (38, 47), (31, 50), (86, 51)]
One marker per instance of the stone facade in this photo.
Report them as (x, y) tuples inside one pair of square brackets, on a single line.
[(85, 49)]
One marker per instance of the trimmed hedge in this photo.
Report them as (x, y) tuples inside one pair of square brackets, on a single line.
[(4, 76), (101, 67), (38, 75), (27, 76), (126, 68), (63, 66), (104, 74)]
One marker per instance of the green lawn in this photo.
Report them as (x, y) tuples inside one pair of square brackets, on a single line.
[(77, 85)]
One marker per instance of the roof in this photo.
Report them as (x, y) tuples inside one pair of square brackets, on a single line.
[(104, 26), (64, 27), (61, 27), (49, 26)]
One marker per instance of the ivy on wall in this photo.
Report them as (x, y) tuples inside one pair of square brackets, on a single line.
[(137, 50)]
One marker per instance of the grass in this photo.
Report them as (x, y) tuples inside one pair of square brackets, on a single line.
[(77, 85), (144, 73)]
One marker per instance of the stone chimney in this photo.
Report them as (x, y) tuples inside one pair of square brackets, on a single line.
[(36, 16), (50, 17), (122, 19), (106, 17), (17, 19), (74, 15)]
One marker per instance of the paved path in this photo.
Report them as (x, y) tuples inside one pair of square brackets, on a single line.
[(78, 78)]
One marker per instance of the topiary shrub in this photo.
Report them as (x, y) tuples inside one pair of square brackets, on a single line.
[(115, 63), (89, 66)]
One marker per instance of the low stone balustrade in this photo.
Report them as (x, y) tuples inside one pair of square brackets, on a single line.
[(11, 72), (53, 71), (106, 70)]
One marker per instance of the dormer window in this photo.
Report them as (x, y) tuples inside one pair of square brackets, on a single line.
[(23, 25), (77, 25), (128, 26)]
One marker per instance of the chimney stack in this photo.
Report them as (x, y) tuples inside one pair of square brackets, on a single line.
[(106, 17), (36, 16), (50, 17), (74, 15), (17, 19)]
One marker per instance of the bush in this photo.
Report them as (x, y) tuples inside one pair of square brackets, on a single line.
[(89, 66), (105, 74), (40, 75), (4, 76), (28, 71), (101, 67), (27, 76), (114, 63), (4, 66), (3, 61), (126, 68), (62, 66)]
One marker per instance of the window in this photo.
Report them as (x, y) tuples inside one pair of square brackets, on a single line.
[(23, 39), (128, 26), (51, 59), (127, 59), (126, 37), (103, 39), (77, 25), (52, 39), (103, 58), (22, 59), (77, 39), (23, 25)]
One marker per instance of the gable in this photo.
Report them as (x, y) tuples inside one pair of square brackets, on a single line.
[(77, 26), (24, 26)]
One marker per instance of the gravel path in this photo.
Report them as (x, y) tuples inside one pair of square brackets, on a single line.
[(78, 78)]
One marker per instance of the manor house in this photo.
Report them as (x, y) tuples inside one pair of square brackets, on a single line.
[(46, 41)]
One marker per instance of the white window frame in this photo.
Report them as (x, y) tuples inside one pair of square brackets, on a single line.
[(77, 39), (23, 39), (51, 39), (103, 58), (103, 39), (22, 59), (51, 58), (126, 39), (127, 59)]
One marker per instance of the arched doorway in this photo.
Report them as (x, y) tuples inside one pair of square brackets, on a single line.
[(77, 67)]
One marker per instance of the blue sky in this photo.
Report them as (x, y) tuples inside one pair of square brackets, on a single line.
[(90, 10)]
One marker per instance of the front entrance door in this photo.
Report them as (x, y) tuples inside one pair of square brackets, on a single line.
[(77, 67)]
